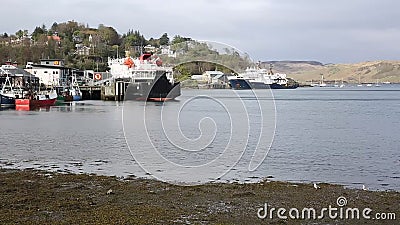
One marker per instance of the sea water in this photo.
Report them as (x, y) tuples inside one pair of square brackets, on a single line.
[(348, 136)]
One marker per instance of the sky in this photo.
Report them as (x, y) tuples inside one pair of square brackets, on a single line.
[(340, 31)]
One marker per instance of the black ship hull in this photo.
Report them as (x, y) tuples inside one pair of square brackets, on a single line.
[(6, 101), (159, 89), (243, 84)]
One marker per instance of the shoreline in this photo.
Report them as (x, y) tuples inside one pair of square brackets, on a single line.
[(42, 197), (270, 178)]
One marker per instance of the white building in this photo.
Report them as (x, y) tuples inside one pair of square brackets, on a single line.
[(209, 77), (51, 72), (82, 49), (166, 50), (149, 48), (199, 77)]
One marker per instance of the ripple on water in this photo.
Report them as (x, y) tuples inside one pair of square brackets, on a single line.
[(312, 142)]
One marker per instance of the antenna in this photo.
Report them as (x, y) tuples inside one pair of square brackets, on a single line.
[(117, 52), (270, 69)]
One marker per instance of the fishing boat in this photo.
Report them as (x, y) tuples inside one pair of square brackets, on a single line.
[(74, 90), (71, 94), (44, 98), (148, 79), (6, 101), (75, 93), (38, 99), (64, 97), (8, 94)]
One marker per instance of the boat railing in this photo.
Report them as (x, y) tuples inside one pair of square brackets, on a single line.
[(144, 77)]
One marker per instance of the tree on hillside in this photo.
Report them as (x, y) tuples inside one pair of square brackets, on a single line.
[(50, 50), (66, 30), (37, 33), (66, 48), (133, 41), (108, 35), (164, 39), (54, 27), (19, 33), (154, 42), (178, 39), (130, 40)]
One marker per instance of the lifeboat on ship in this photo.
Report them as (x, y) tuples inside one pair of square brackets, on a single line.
[(129, 62)]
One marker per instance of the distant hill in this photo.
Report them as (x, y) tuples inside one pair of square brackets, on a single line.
[(367, 72)]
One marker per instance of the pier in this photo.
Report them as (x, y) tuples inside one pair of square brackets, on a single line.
[(91, 92), (110, 91)]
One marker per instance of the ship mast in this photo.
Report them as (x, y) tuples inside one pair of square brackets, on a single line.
[(270, 69)]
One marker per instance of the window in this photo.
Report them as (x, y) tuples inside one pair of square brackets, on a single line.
[(45, 71)]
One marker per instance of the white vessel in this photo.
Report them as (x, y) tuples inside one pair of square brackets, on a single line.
[(322, 84), (342, 84), (336, 84), (150, 80), (312, 84), (74, 90), (377, 83), (258, 78)]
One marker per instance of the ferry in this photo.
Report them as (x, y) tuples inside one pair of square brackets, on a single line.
[(258, 78), (149, 79)]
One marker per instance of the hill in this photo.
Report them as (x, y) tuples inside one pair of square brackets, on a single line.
[(366, 72)]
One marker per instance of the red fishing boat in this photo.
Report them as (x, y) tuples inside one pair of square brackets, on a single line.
[(40, 99)]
